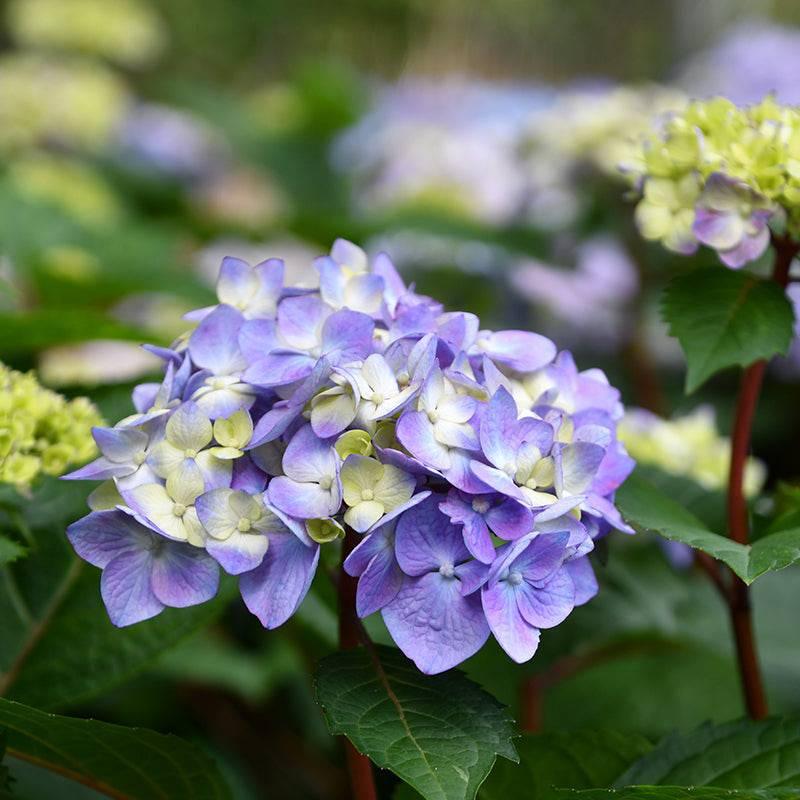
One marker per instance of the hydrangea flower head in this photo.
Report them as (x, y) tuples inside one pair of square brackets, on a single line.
[(719, 175), (689, 445), (125, 31), (40, 431), (476, 467), (74, 103)]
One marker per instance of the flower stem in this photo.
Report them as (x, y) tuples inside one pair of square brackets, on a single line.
[(738, 597), (359, 766)]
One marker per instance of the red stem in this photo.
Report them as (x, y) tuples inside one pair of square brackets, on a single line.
[(738, 598), (350, 632)]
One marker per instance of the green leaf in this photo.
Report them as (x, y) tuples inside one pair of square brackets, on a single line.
[(441, 733), (574, 759), (57, 645), (128, 763), (723, 318), (737, 755), (646, 508), (773, 552), (676, 793), (10, 550)]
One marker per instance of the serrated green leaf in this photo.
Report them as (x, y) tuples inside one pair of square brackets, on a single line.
[(129, 763), (677, 793), (773, 552), (737, 755), (441, 734), (646, 508), (57, 645), (10, 550), (723, 318), (574, 759)]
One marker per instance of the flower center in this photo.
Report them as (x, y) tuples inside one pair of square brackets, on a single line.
[(244, 525), (217, 383), (190, 453), (447, 570), (325, 482), (367, 494), (515, 577), (139, 458), (433, 416), (377, 398), (403, 378), (480, 506), (178, 509)]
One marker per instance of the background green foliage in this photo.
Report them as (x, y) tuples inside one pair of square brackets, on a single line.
[(651, 655)]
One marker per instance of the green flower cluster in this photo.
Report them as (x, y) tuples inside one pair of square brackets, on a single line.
[(124, 31), (70, 101), (688, 446), (600, 128), (719, 174), (41, 431)]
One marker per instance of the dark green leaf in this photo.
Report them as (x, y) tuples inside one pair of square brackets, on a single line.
[(57, 645), (441, 733), (579, 759), (723, 318), (129, 763), (773, 552), (677, 793), (646, 508), (736, 755)]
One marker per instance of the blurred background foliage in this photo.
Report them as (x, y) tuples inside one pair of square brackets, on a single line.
[(142, 141)]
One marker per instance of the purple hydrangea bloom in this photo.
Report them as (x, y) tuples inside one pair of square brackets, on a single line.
[(477, 466)]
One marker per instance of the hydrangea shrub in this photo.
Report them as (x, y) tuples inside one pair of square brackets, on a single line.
[(476, 467)]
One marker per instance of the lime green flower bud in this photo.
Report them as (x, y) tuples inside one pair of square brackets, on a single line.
[(323, 531), (355, 442)]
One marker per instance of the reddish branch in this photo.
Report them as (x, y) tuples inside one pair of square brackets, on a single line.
[(350, 633), (737, 596)]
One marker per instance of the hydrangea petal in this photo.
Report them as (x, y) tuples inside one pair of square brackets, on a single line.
[(102, 536), (126, 589), (274, 590), (416, 434), (184, 576), (214, 343), (583, 578), (519, 639), (239, 552), (548, 605), (434, 624)]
